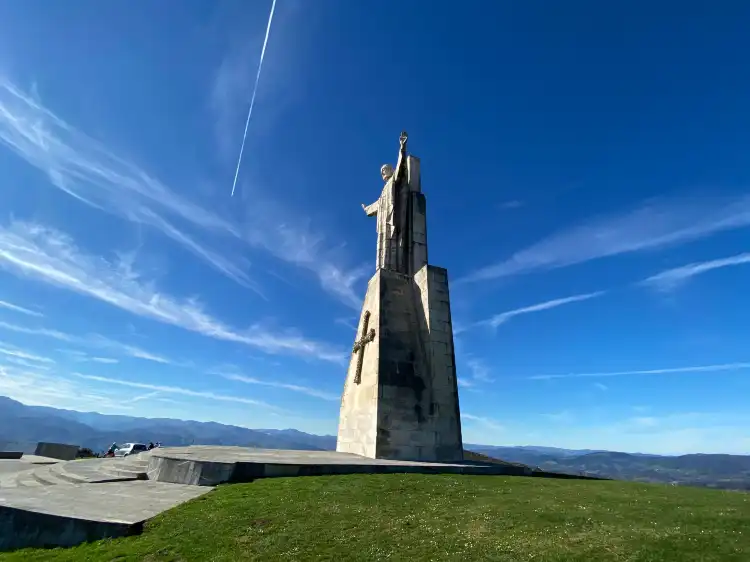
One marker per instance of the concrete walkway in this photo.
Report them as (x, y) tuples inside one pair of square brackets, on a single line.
[(71, 514), (8, 466), (58, 503), (85, 471)]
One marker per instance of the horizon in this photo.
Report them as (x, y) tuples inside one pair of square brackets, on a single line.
[(262, 429), (584, 168)]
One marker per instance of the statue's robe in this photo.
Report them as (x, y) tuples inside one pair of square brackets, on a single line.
[(392, 220)]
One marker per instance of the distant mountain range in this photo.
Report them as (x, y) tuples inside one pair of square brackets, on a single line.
[(731, 472), (21, 427)]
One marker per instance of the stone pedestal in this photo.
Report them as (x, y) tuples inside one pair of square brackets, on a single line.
[(400, 398)]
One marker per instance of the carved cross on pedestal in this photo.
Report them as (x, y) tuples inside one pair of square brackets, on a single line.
[(359, 346)]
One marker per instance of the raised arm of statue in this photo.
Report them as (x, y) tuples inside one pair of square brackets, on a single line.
[(401, 165), (371, 210)]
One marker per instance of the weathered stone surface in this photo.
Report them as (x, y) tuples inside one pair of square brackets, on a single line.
[(10, 455), (19, 474), (358, 419), (60, 451), (406, 403), (69, 515), (400, 397), (212, 465), (187, 470), (45, 502)]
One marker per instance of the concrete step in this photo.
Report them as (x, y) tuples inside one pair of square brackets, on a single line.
[(70, 476), (27, 480), (10, 480), (93, 471), (129, 467), (140, 459), (88, 471), (121, 472), (46, 477), (135, 466), (128, 464)]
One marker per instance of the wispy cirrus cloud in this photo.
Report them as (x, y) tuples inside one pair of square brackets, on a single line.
[(15, 308), (49, 256), (564, 416), (28, 356), (668, 371), (504, 317), (678, 420), (105, 360), (489, 422), (147, 396), (30, 386), (55, 334), (663, 433), (479, 370), (84, 392), (289, 236), (128, 350), (287, 386), (643, 422), (279, 229), (19, 362), (350, 323), (92, 340), (165, 389), (81, 356), (85, 169), (673, 278), (88, 171), (652, 225), (230, 91)]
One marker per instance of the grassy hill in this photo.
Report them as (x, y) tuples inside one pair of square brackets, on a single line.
[(427, 517)]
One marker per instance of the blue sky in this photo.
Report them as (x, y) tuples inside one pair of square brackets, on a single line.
[(586, 176)]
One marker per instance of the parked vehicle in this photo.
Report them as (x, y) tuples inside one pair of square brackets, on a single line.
[(130, 449)]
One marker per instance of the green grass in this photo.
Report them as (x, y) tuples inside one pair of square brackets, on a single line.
[(421, 517)]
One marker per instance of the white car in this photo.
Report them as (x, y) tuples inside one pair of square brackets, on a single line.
[(130, 449)]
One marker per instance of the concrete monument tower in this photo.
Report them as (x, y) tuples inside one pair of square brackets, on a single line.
[(400, 398)]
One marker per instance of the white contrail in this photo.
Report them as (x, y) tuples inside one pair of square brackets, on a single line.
[(252, 100)]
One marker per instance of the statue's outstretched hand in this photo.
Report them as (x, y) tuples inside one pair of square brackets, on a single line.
[(403, 138)]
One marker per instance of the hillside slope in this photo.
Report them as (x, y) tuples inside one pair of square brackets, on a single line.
[(424, 517)]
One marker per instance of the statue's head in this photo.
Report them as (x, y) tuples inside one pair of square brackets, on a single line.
[(386, 172)]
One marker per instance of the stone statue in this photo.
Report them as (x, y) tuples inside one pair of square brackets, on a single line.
[(390, 210), (400, 398)]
